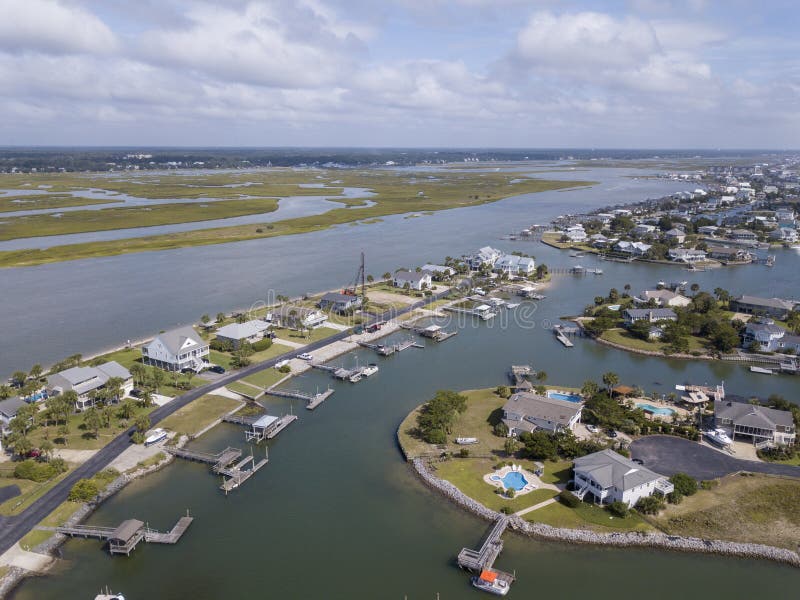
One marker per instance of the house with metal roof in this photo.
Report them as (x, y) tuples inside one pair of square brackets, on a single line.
[(776, 308), (8, 410), (651, 315), (610, 477), (484, 256), (527, 412), (86, 380), (292, 316), (176, 350), (512, 264), (439, 272), (754, 422), (770, 338), (416, 280), (249, 331), (339, 303), (662, 298)]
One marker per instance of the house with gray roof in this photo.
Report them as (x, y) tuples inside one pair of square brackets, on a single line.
[(292, 316), (484, 256), (512, 264), (249, 331), (8, 410), (776, 308), (754, 422), (86, 380), (770, 338), (610, 477), (176, 350), (416, 280), (439, 272), (339, 303), (527, 412), (662, 298), (651, 315)]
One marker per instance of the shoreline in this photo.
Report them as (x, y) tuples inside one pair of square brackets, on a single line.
[(659, 541)]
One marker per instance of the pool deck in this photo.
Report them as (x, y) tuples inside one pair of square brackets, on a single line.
[(534, 483)]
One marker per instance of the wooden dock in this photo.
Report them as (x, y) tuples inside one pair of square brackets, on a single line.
[(238, 474), (282, 424), (483, 559), (218, 461), (312, 400), (433, 332), (318, 399), (389, 349)]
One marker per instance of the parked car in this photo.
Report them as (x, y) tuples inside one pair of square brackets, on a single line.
[(305, 356), (217, 369), (638, 461), (611, 433), (592, 428), (136, 393)]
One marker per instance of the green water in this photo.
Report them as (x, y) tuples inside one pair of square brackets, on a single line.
[(338, 514)]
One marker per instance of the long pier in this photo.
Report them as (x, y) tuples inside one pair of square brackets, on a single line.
[(312, 400), (483, 559), (434, 332), (218, 461), (389, 349)]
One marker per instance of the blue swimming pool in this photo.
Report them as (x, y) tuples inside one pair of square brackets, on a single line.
[(567, 397), (513, 480), (656, 410)]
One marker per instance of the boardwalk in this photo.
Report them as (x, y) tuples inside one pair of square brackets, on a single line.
[(483, 559), (218, 461), (311, 400)]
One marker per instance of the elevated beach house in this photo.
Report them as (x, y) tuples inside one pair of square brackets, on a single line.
[(249, 331), (339, 303), (416, 280), (484, 256), (85, 380), (525, 411), (754, 422), (298, 317), (176, 350), (610, 477), (770, 338), (514, 265)]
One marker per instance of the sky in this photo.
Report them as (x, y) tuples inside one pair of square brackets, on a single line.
[(391, 73)]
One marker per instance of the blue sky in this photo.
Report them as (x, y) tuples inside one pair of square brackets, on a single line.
[(502, 73)]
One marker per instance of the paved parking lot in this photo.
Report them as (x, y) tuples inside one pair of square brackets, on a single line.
[(668, 455)]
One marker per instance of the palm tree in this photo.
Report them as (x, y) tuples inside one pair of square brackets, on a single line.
[(147, 399), (92, 420), (610, 379), (138, 370), (386, 275), (220, 317), (142, 423), (70, 399), (5, 391), (158, 378), (694, 287), (589, 389), (19, 378), (114, 388), (127, 409), (541, 376), (36, 371), (46, 447)]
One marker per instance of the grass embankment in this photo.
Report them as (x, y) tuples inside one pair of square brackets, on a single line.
[(43, 201), (304, 337), (198, 415), (626, 339), (553, 239), (396, 192), (247, 390), (586, 516), (105, 219), (266, 378), (30, 491), (760, 509)]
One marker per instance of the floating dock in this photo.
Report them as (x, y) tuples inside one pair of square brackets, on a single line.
[(262, 426), (238, 474), (124, 538), (312, 400), (224, 463)]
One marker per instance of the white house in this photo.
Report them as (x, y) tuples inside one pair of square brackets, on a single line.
[(85, 380), (299, 317), (236, 333), (176, 350), (525, 411), (416, 281), (651, 315), (610, 477), (770, 338), (515, 265), (785, 215), (662, 298), (686, 255), (784, 234), (576, 233), (632, 248), (676, 234), (484, 256), (439, 272)]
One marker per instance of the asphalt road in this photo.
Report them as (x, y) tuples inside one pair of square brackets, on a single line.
[(668, 455), (12, 529)]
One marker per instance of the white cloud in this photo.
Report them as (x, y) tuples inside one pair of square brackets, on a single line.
[(52, 27)]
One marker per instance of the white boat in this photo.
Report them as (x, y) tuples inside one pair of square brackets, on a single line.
[(465, 441), (370, 369), (488, 581), (762, 370), (512, 305), (536, 296), (719, 437), (155, 436), (108, 595)]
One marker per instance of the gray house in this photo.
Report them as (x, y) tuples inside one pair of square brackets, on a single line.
[(525, 411), (176, 349), (755, 422), (651, 315), (249, 331), (771, 307), (610, 477), (85, 380), (8, 410), (340, 303)]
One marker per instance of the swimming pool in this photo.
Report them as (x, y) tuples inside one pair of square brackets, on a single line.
[(656, 410), (567, 397), (513, 480)]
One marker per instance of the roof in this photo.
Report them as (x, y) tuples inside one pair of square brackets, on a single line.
[(175, 339), (514, 261), (661, 294), (240, 331), (127, 529), (724, 250), (675, 231), (623, 389), (651, 313), (10, 406), (78, 375), (86, 379), (337, 297), (113, 369), (752, 415), (767, 302), (542, 407), (610, 469), (437, 268), (411, 276), (264, 422), (300, 311)]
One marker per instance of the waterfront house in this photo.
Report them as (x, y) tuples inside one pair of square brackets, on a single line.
[(610, 477), (176, 350), (784, 234), (676, 234), (529, 412), (775, 308), (236, 333), (598, 240), (484, 256), (86, 380), (632, 248), (754, 422), (662, 298), (651, 315), (415, 280), (340, 303), (708, 230), (576, 234), (785, 215), (643, 229), (770, 338), (298, 317), (743, 235), (515, 265), (439, 272), (686, 255), (725, 254), (8, 410)]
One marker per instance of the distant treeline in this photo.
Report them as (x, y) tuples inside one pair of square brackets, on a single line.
[(118, 158)]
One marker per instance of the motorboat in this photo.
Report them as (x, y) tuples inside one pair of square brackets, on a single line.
[(370, 369), (155, 436), (465, 441), (488, 581), (762, 370), (106, 594), (719, 437), (512, 305)]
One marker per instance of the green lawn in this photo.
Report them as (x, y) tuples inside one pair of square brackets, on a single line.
[(320, 333), (624, 338), (126, 357), (275, 350), (246, 390), (586, 516), (55, 519), (199, 414), (222, 359), (265, 378), (467, 475), (31, 491)]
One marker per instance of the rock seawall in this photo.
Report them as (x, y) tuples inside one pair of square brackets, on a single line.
[(623, 539)]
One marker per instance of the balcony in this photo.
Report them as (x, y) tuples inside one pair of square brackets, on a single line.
[(664, 487)]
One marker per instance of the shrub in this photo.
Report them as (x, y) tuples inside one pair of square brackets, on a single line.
[(618, 509), (567, 498), (684, 484), (285, 369), (506, 510), (510, 493), (501, 430), (463, 453), (649, 505), (83, 491), (709, 484), (261, 345), (674, 497), (220, 346), (435, 436), (34, 471)]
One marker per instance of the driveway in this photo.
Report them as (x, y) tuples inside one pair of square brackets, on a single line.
[(668, 455)]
